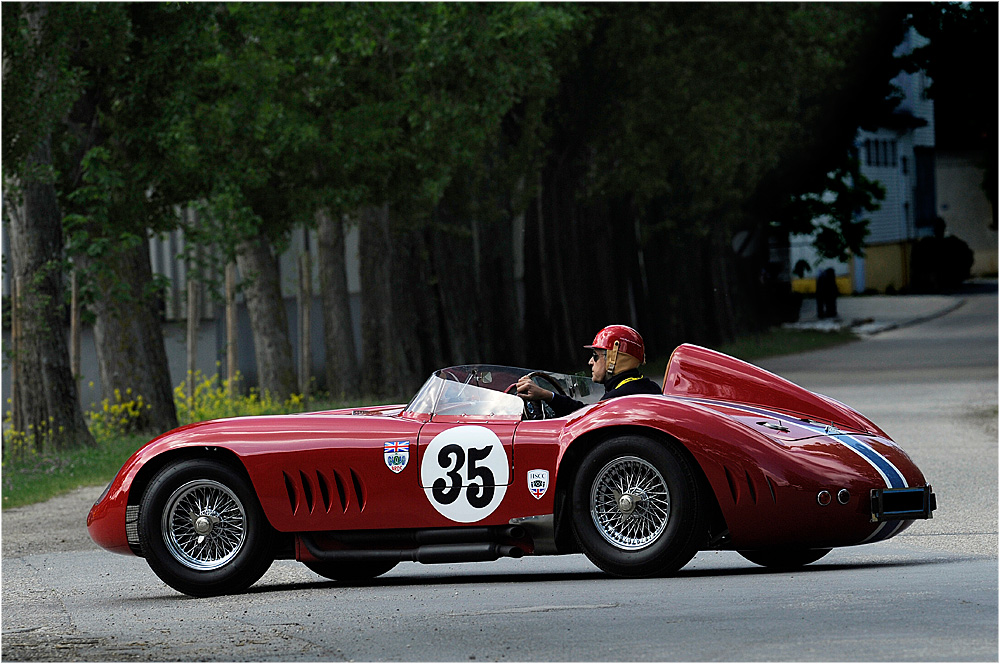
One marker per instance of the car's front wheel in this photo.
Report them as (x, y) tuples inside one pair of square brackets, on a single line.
[(202, 530), (636, 507)]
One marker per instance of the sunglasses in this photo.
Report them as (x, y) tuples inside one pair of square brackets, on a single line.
[(598, 355)]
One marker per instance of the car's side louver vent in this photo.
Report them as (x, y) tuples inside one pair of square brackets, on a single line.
[(341, 491), (774, 498), (306, 491), (313, 491), (733, 488), (736, 486), (293, 496), (753, 490), (324, 491), (359, 490)]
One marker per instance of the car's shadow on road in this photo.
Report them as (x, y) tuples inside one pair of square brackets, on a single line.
[(452, 579), (478, 578)]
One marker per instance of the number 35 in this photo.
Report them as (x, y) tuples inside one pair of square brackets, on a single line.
[(478, 495)]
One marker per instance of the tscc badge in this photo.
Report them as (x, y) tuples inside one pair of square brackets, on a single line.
[(397, 454), (538, 482)]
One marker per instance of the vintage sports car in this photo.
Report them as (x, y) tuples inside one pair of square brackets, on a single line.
[(728, 457)]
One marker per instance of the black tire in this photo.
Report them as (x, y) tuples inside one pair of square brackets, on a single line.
[(651, 526), (202, 530), (352, 572), (784, 558)]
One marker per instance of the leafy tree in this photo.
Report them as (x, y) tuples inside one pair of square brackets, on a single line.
[(39, 85), (117, 190), (367, 110), (684, 124), (234, 134), (449, 75)]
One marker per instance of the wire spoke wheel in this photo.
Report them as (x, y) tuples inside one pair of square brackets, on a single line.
[(630, 503), (202, 529), (636, 506), (204, 525)]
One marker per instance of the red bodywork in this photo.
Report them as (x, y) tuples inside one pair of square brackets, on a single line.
[(761, 442)]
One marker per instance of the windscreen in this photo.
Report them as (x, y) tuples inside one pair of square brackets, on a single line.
[(487, 391)]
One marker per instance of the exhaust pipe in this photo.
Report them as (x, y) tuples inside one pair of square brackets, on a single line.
[(468, 552)]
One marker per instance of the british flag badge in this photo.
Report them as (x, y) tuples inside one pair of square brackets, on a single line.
[(397, 454), (538, 482)]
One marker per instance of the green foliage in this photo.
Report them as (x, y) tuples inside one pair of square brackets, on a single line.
[(39, 476), (640, 136), (299, 107), (209, 398), (31, 474), (833, 213), (707, 105), (118, 417), (41, 88)]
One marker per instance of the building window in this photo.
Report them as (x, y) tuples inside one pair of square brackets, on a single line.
[(881, 153), (905, 165)]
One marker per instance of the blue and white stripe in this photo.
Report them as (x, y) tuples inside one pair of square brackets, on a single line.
[(891, 475)]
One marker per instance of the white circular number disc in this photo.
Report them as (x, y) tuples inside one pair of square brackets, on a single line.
[(464, 472)]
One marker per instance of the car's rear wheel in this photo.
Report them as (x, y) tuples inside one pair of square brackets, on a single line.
[(636, 507), (202, 530), (352, 572), (784, 558)]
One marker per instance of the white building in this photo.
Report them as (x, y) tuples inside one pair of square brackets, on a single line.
[(901, 158)]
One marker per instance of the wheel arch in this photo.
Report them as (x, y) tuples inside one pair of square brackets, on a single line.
[(148, 471), (574, 454)]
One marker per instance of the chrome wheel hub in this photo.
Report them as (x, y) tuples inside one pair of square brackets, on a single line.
[(204, 525), (630, 503)]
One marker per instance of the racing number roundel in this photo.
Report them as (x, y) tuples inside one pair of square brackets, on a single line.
[(465, 472)]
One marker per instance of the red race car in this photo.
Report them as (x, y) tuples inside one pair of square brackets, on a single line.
[(728, 457)]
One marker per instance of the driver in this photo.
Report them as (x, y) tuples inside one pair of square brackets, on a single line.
[(617, 354)]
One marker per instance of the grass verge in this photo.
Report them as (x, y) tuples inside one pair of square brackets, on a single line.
[(38, 477), (783, 341), (31, 476)]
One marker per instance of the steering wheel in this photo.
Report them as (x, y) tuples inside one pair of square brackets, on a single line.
[(465, 383), (534, 409)]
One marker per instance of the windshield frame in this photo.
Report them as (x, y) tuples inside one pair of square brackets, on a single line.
[(484, 392)]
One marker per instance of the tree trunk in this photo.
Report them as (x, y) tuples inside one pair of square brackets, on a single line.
[(380, 369), (193, 319), (338, 334), (268, 318), (232, 350), (128, 337), (47, 396), (721, 258), (305, 325)]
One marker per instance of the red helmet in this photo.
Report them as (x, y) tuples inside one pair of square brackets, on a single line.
[(628, 341)]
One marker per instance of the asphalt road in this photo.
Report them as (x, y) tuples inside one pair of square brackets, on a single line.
[(929, 594)]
